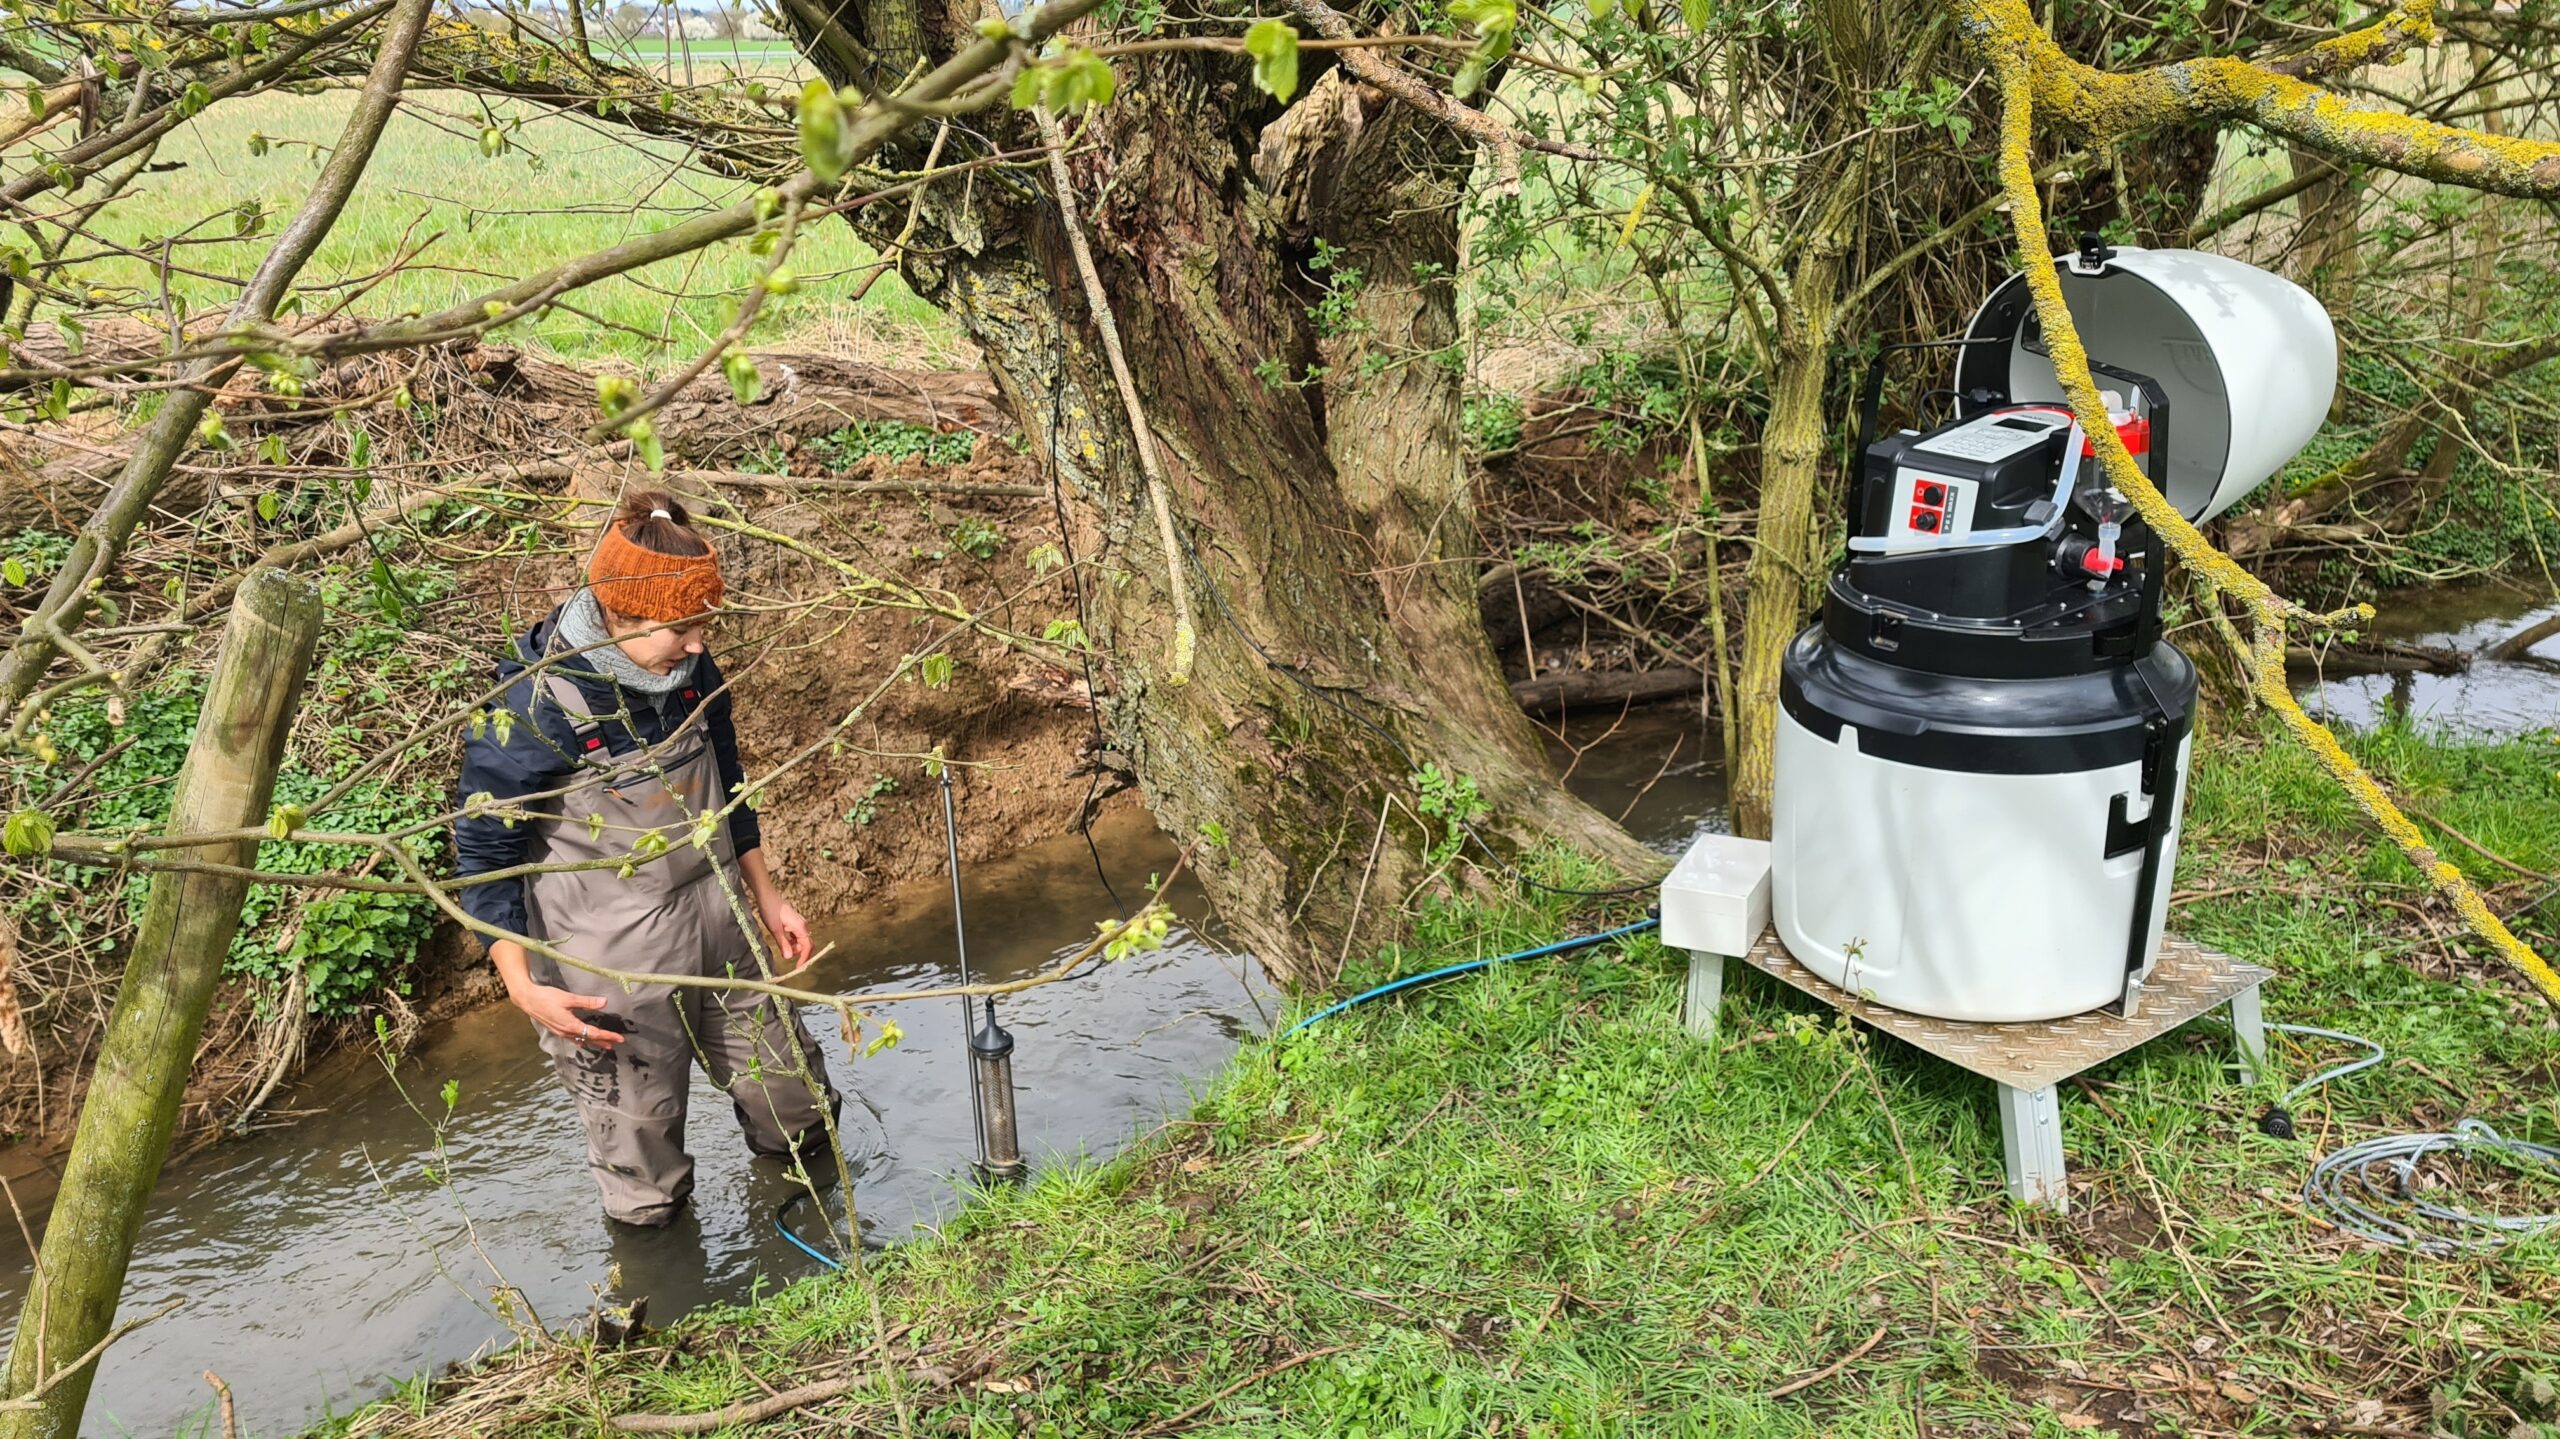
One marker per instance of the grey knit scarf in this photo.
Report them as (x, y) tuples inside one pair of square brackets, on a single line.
[(582, 626)]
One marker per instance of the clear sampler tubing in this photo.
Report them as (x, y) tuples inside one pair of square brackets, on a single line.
[(1973, 539)]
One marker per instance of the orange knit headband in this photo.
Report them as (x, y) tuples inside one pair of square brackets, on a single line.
[(644, 585)]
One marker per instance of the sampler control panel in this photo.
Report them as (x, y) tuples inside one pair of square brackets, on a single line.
[(1938, 477), (1930, 505)]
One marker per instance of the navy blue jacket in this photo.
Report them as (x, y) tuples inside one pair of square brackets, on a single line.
[(533, 757)]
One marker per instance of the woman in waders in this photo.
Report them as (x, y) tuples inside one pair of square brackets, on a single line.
[(615, 751)]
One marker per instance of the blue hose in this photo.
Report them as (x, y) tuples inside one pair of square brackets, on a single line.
[(782, 1226), (1416, 981)]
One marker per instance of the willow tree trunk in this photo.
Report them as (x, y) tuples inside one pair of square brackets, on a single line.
[(1785, 575), (187, 924), (1783, 572), (1282, 279)]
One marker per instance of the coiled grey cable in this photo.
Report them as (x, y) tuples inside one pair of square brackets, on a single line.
[(2371, 1189), (2374, 1056)]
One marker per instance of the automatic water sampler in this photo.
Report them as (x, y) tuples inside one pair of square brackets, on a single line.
[(1984, 739)]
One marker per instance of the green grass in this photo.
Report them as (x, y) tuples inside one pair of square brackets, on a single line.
[(1526, 1203), (567, 184)]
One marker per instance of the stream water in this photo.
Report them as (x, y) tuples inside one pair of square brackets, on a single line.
[(319, 1263), (2490, 698)]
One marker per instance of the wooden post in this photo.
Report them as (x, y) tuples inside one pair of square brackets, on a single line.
[(187, 924)]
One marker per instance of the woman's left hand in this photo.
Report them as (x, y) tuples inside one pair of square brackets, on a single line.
[(789, 928)]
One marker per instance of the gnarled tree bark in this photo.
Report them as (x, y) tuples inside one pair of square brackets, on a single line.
[(1306, 410)]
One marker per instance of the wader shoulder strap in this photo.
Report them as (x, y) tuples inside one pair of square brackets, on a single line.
[(587, 730)]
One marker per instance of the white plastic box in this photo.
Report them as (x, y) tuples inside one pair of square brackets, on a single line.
[(1716, 900)]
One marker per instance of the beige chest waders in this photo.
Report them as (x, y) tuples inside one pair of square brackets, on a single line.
[(659, 906)]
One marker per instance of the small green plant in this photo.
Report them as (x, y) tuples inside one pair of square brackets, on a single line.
[(1337, 312), (766, 459), (977, 537), (891, 440), (30, 556), (867, 809), (1452, 799), (346, 945), (1492, 423)]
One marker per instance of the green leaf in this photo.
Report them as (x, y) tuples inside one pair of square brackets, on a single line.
[(1027, 87), (936, 670), (1696, 13), (1493, 23), (452, 1093), (493, 142), (887, 1038), (1274, 48), (822, 136), (35, 100), (615, 394), (284, 821), (14, 570), (1087, 80), (28, 834), (1468, 80), (269, 506), (745, 381), (1071, 82)]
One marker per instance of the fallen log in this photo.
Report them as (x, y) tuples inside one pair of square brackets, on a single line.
[(2514, 646), (1554, 694), (2379, 657)]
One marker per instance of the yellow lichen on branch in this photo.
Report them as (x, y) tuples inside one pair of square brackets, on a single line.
[(2268, 611), (2107, 108)]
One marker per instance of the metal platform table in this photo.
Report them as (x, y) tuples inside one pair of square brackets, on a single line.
[(2026, 1061)]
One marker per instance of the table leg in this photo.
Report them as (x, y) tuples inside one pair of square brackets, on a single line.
[(2249, 1025), (1705, 994), (2031, 1141)]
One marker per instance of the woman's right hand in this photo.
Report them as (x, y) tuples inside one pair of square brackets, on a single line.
[(555, 1009), (564, 1014)]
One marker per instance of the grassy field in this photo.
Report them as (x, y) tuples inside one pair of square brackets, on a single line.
[(1525, 1203), (567, 184)]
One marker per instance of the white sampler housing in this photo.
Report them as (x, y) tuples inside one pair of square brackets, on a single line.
[(1983, 743)]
